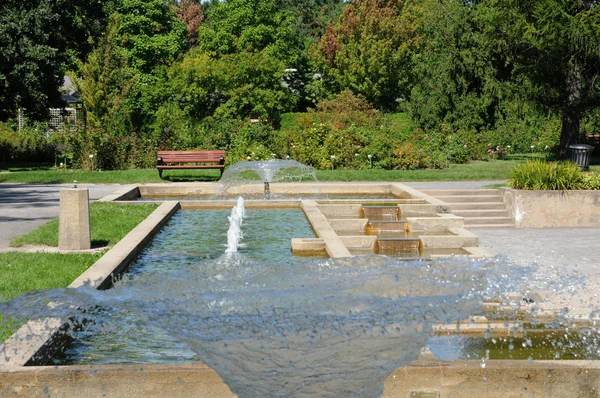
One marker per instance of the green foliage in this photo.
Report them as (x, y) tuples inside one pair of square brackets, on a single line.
[(39, 40), (238, 26), (557, 48), (590, 181), (151, 32), (105, 86), (29, 144), (312, 16), (513, 67), (244, 85), (368, 51), (251, 141), (541, 175)]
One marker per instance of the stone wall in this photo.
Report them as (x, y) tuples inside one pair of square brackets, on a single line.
[(546, 209)]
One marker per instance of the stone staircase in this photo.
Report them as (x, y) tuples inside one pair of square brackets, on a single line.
[(481, 208)]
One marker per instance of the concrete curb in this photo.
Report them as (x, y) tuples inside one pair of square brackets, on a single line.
[(422, 378), (36, 339)]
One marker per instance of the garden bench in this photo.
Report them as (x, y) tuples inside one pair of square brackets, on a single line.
[(214, 159)]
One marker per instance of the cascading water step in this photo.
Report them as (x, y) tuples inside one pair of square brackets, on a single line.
[(374, 226), (392, 246), (391, 213)]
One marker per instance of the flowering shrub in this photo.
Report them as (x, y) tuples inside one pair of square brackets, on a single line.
[(496, 152)]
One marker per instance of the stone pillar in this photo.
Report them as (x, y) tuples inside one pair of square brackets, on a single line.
[(74, 219)]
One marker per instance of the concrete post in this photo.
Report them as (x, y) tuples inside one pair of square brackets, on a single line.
[(74, 219)]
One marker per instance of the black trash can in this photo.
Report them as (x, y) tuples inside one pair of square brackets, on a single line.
[(580, 154)]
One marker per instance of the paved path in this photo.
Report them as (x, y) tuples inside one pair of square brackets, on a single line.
[(24, 207), (453, 184)]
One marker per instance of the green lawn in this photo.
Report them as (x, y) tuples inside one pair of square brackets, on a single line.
[(493, 170), (25, 272), (109, 223), (498, 170)]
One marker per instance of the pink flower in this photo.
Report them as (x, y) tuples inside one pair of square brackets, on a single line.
[(358, 146), (489, 151), (490, 144), (498, 148)]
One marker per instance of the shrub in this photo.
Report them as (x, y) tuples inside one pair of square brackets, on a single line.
[(540, 175), (409, 157), (251, 141), (31, 144), (308, 146), (590, 181)]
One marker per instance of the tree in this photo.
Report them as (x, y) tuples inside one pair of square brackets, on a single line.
[(483, 63), (239, 26), (244, 85), (151, 32), (312, 16), (457, 73), (368, 51), (191, 13), (556, 47), (105, 85), (40, 39)]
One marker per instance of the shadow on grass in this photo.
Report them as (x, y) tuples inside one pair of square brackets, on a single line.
[(191, 178), (99, 243), (25, 166)]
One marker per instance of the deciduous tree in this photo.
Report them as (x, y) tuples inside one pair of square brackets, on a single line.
[(368, 51)]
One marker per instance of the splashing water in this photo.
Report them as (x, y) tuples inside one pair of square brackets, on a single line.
[(322, 327), (333, 327), (266, 171), (234, 234)]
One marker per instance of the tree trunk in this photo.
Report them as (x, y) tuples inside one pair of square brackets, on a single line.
[(571, 114), (569, 133)]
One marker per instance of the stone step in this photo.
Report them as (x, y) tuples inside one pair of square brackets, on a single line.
[(481, 213), (477, 206), (470, 199), (462, 192), (490, 226), (486, 221)]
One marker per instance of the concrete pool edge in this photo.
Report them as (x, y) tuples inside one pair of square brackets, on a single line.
[(36, 339), (421, 378), (419, 375)]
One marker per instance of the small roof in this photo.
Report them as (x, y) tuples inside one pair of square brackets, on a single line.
[(70, 99), (68, 87)]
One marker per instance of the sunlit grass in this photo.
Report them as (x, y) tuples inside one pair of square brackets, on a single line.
[(109, 223), (26, 272), (491, 170)]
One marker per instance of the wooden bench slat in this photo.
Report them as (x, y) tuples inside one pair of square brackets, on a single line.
[(211, 159), (181, 166)]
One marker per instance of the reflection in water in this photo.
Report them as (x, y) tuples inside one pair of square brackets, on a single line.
[(269, 323)]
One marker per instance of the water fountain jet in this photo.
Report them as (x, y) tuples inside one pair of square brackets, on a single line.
[(266, 171)]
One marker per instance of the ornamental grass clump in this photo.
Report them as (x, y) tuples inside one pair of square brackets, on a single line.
[(541, 175)]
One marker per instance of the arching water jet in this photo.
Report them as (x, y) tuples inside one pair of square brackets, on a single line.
[(267, 172)]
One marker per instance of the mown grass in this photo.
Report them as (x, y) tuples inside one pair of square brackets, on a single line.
[(492, 170), (109, 223), (26, 272), (496, 170)]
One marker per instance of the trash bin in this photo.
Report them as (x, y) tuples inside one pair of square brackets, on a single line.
[(580, 154)]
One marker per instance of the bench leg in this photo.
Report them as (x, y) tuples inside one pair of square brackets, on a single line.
[(160, 173)]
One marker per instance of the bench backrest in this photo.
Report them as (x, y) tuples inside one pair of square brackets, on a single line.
[(213, 156)]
